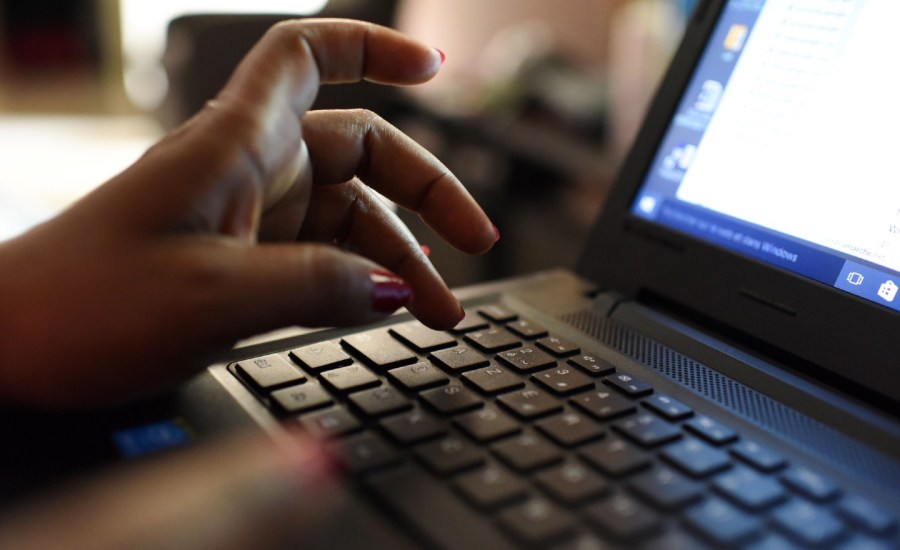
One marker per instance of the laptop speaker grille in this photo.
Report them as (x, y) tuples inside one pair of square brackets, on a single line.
[(732, 395)]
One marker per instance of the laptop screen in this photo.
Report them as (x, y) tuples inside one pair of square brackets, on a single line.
[(784, 145)]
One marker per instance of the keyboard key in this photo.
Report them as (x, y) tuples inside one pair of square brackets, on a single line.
[(432, 509), (450, 455), (321, 356), (571, 483), (722, 523), (592, 364), (417, 376), (604, 404), (668, 407), (615, 457), (564, 380), (588, 540), (414, 426), (773, 541), (623, 517), (867, 515), (366, 452), (629, 385), (696, 458), (498, 313), (379, 349), (760, 457), (750, 489), (491, 487), (710, 430), (675, 539), (862, 542), (648, 430), (350, 379), (460, 358), (558, 346), (665, 488), (530, 403), (469, 323), (570, 428), (527, 329), (328, 423), (527, 451), (537, 522), (493, 380), (302, 398), (808, 523), (810, 484), (452, 398), (269, 371), (493, 340), (526, 359), (422, 338), (487, 424), (380, 401)]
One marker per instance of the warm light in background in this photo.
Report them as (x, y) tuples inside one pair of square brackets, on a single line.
[(144, 26)]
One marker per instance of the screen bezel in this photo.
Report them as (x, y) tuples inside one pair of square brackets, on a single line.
[(848, 336)]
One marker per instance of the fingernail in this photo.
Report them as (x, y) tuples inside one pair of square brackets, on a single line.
[(389, 292), (496, 234), (462, 314), (426, 250), (443, 56)]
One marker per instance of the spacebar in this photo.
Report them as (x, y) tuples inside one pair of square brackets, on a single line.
[(434, 511)]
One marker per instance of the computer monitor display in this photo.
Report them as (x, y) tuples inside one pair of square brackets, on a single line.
[(784, 145)]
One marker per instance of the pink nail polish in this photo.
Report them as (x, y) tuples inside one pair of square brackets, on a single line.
[(443, 56), (426, 250), (389, 292), (496, 234)]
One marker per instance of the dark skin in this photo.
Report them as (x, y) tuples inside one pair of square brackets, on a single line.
[(254, 215)]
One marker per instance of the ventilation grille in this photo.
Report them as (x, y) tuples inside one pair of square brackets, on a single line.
[(733, 395)]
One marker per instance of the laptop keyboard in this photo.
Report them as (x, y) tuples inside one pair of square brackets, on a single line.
[(517, 433)]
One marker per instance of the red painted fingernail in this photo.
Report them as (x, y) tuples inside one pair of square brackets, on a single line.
[(426, 250), (496, 234), (389, 292), (443, 56)]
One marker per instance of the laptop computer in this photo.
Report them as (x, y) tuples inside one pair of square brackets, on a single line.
[(719, 371)]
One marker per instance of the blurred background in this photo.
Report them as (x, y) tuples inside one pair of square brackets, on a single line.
[(534, 109)]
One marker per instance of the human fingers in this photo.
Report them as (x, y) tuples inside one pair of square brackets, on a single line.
[(302, 54), (344, 144), (358, 220), (278, 80), (248, 491), (244, 152), (250, 290)]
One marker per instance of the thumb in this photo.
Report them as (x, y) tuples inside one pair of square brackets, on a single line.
[(277, 285), (242, 492)]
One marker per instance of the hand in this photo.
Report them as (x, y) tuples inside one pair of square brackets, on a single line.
[(240, 492), (151, 276)]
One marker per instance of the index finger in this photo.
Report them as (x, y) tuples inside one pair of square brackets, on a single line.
[(299, 55), (358, 143)]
